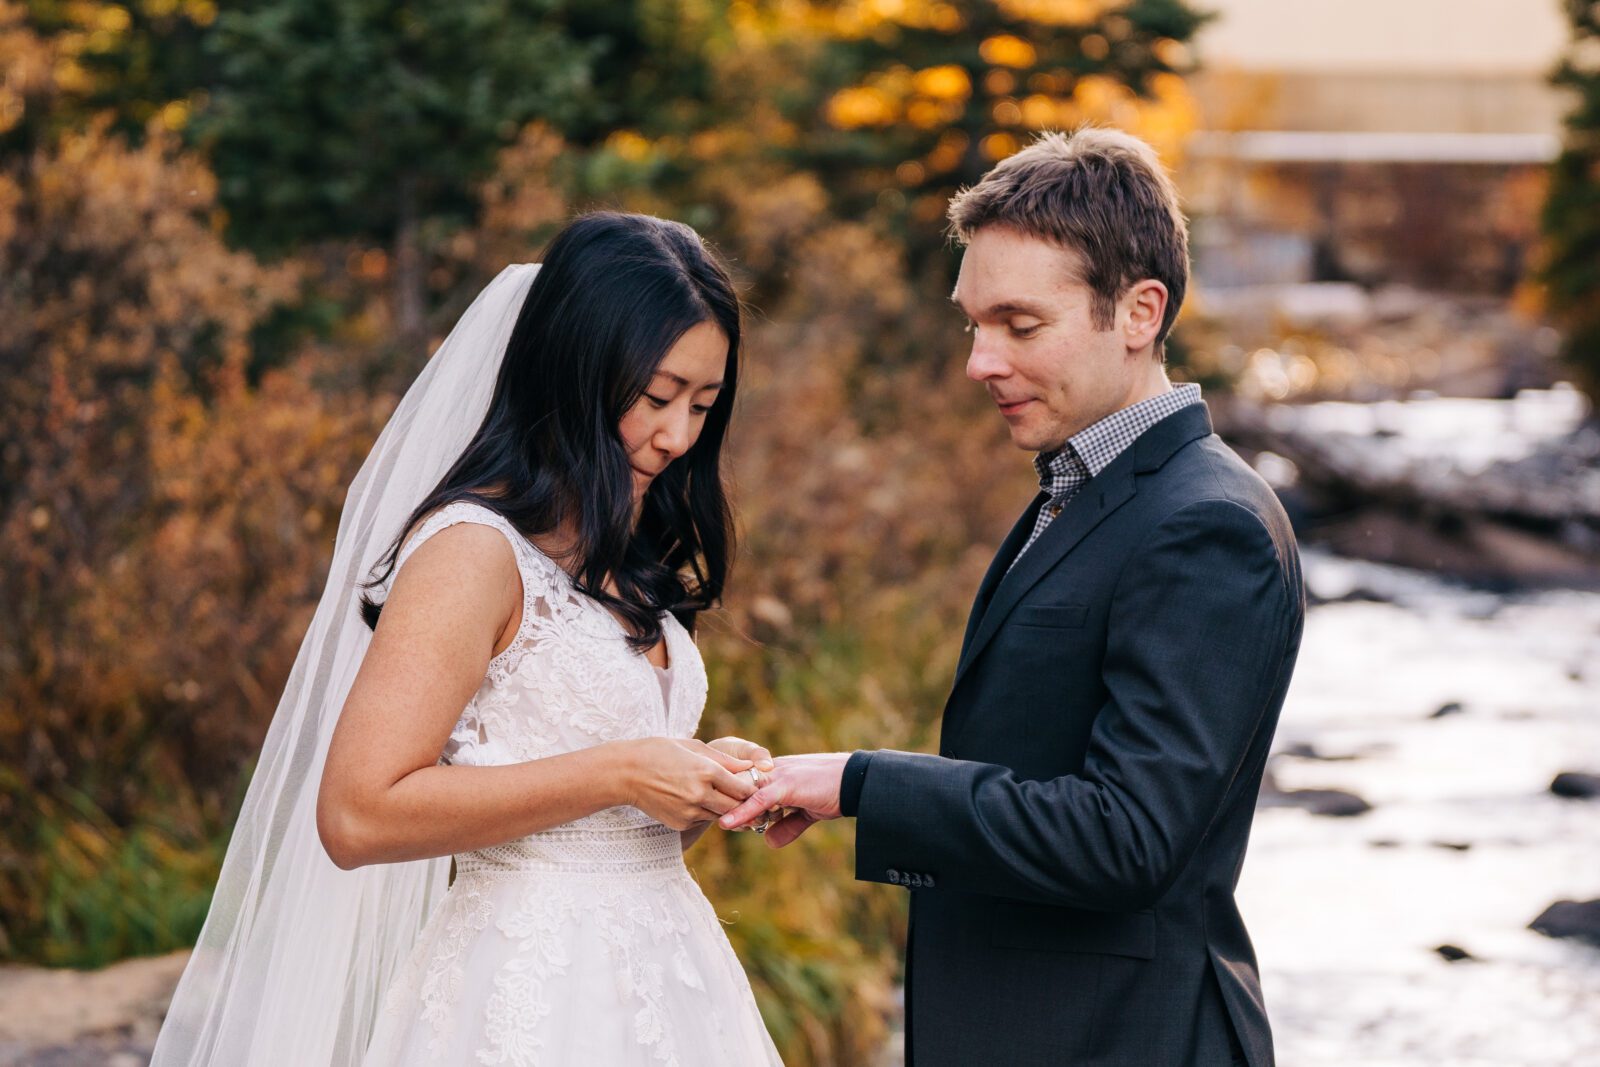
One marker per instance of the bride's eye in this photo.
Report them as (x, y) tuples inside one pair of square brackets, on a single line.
[(656, 401)]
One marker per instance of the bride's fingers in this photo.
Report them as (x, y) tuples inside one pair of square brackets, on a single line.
[(736, 787), (739, 747), (755, 806), (731, 763), (718, 804)]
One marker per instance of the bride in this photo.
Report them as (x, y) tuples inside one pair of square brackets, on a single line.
[(501, 670)]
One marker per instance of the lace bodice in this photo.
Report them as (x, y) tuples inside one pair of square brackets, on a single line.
[(587, 942), (569, 679)]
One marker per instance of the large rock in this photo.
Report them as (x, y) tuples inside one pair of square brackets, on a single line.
[(1576, 785), (1579, 920), (1334, 802)]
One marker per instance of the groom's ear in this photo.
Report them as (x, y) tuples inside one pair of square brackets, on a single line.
[(1141, 311)]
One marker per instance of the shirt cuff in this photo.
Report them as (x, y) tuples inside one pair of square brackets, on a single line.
[(855, 774)]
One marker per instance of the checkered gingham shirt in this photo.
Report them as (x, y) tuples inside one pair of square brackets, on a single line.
[(1088, 452)]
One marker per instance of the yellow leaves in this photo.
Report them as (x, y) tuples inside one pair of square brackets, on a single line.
[(927, 99), (947, 154), (1058, 12), (1174, 54), (112, 19), (1040, 112), (69, 76), (629, 145), (946, 82), (1165, 118), (174, 116), (998, 146), (1004, 50), (200, 12), (853, 108)]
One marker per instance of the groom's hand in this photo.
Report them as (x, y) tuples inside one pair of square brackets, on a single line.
[(808, 783)]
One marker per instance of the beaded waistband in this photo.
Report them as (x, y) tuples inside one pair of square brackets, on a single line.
[(630, 850)]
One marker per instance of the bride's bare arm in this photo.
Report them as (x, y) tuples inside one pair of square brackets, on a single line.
[(384, 799)]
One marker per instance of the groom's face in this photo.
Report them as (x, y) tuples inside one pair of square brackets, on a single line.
[(1035, 348)]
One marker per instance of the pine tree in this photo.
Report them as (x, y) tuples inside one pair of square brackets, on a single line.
[(1572, 212)]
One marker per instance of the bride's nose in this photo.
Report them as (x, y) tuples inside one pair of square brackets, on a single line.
[(673, 434)]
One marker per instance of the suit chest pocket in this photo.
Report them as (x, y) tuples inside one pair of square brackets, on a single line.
[(1050, 616)]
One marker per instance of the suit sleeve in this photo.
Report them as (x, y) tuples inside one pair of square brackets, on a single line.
[(1197, 644)]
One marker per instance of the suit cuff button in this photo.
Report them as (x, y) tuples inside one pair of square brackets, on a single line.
[(894, 876)]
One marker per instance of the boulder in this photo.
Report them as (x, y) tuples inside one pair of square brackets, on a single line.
[(1579, 920), (1576, 785)]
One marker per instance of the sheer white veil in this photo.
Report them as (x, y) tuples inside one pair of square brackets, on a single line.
[(295, 954)]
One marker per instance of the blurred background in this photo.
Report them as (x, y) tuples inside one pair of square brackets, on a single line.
[(230, 234)]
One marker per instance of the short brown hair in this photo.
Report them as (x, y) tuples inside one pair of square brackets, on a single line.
[(1103, 195)]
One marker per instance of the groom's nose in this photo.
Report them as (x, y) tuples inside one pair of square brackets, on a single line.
[(985, 363)]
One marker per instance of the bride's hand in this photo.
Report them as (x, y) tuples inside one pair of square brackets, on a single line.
[(680, 782), (739, 748)]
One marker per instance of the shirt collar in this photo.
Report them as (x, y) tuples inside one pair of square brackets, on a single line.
[(1091, 450)]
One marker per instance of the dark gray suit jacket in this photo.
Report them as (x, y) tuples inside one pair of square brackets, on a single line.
[(1073, 849)]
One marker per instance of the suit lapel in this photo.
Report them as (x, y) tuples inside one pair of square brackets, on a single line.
[(1100, 496), (997, 568)]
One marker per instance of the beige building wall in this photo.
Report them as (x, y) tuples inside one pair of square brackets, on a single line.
[(1442, 66)]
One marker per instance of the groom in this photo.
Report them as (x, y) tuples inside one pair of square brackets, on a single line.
[(1072, 850)]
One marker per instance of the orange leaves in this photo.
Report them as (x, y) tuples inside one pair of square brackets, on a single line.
[(1005, 50), (926, 98)]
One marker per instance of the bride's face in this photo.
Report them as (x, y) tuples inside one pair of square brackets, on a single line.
[(666, 420)]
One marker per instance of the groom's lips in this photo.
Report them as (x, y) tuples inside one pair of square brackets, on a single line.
[(1012, 407)]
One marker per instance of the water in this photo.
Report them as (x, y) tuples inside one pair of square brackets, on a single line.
[(1345, 913)]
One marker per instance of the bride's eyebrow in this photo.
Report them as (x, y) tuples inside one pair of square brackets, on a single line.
[(681, 382)]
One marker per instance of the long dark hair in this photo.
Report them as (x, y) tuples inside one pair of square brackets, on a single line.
[(614, 294)]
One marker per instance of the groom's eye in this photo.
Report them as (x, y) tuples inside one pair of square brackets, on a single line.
[(1025, 331)]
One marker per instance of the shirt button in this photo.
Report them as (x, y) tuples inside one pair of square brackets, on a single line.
[(894, 876)]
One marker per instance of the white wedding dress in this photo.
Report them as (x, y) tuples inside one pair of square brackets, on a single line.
[(589, 944)]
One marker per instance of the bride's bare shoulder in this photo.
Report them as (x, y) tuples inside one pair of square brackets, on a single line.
[(464, 557)]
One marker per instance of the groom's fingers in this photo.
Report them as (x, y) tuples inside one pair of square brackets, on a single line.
[(787, 829)]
